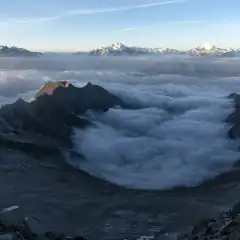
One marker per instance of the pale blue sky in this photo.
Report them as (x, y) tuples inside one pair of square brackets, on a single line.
[(69, 25)]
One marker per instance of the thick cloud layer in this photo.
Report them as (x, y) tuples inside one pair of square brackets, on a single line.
[(177, 137)]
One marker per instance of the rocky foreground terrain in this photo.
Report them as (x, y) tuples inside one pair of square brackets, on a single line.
[(225, 227), (25, 230)]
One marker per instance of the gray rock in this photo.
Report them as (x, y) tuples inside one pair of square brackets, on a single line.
[(31, 225), (8, 236)]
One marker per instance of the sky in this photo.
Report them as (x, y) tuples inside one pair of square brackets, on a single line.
[(81, 25)]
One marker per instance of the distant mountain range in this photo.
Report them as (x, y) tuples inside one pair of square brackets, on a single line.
[(118, 49), (17, 52)]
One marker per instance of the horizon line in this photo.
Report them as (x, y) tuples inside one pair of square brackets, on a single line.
[(90, 49)]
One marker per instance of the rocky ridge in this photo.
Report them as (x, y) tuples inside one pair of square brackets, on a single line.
[(46, 124), (225, 227)]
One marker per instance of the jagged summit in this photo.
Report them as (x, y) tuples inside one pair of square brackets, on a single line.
[(206, 46), (120, 49), (49, 119), (118, 46)]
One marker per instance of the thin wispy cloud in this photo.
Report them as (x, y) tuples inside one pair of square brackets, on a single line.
[(92, 11), (220, 23), (184, 22), (95, 11), (125, 29), (30, 20)]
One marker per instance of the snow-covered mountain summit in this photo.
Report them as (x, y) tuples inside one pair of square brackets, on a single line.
[(208, 49), (118, 46), (120, 49)]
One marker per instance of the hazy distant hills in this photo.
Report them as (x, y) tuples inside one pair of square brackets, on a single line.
[(6, 51)]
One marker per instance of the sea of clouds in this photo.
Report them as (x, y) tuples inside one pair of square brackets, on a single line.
[(176, 137)]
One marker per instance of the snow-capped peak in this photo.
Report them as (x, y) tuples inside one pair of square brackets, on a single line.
[(206, 46), (121, 49), (211, 50), (117, 45), (117, 49)]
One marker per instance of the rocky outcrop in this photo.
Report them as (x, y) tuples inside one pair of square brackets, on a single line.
[(226, 226), (48, 121), (24, 231)]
